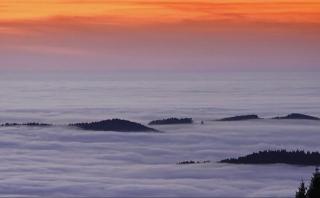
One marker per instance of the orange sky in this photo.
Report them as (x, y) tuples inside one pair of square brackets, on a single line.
[(70, 27), (164, 11)]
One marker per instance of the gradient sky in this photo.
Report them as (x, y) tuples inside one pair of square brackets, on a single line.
[(152, 35)]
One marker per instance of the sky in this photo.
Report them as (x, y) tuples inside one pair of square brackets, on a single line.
[(159, 35)]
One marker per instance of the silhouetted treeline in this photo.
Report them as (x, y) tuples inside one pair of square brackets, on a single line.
[(297, 116), (240, 118), (314, 188), (278, 156), (193, 162), (293, 116), (124, 125), (172, 121), (32, 124), (113, 125)]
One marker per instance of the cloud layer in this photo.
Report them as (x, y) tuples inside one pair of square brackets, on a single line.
[(65, 162), (59, 161)]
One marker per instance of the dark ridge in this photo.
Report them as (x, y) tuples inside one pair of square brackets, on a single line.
[(241, 118), (193, 162), (278, 156), (113, 125), (172, 121), (297, 116), (30, 124)]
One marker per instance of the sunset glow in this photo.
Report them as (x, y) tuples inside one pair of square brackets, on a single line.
[(126, 27), (164, 11)]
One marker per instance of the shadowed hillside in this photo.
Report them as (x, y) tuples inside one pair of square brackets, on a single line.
[(113, 125), (297, 116), (240, 118)]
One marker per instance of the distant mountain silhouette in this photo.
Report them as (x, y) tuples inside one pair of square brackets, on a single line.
[(172, 121), (193, 162), (30, 124), (278, 156), (297, 116), (113, 125), (241, 118)]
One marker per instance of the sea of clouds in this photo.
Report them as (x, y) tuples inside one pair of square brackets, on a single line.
[(62, 161)]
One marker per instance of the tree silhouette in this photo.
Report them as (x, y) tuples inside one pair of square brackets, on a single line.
[(172, 121), (314, 188), (297, 157), (301, 191)]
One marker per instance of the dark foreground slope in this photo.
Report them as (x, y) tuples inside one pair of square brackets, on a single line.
[(297, 116), (241, 118), (172, 121), (114, 125), (278, 156), (313, 190)]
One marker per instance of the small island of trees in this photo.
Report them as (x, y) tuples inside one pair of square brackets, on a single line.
[(241, 118), (172, 121), (193, 162), (278, 156), (29, 124), (113, 125), (297, 116)]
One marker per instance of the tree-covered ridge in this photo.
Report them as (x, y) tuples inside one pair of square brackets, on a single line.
[(297, 116), (31, 124), (113, 125), (172, 121), (298, 157), (240, 118), (193, 162)]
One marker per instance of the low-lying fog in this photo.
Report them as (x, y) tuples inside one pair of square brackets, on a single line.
[(59, 161)]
